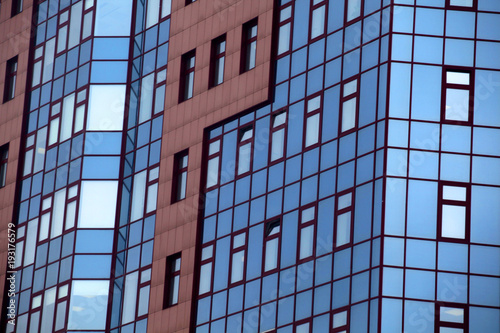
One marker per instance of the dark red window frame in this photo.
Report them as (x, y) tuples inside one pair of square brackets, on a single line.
[(438, 323), (283, 23), (4, 155), (357, 18), (233, 251), (180, 171), (449, 5), (319, 112), (469, 87), (217, 56), (209, 260), (171, 273), (340, 212), (212, 156), (277, 129), (242, 143), (344, 327), (313, 8), (465, 204), (187, 76), (303, 225), (345, 99), (270, 226), (10, 79), (247, 40)]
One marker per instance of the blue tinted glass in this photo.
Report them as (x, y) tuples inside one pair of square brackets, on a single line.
[(110, 48), (93, 167), (92, 266), (291, 199)]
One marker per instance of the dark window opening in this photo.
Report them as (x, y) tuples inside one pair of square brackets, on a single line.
[(179, 178), (217, 61), (172, 279), (249, 46), (17, 7), (187, 76), (10, 79), (4, 155)]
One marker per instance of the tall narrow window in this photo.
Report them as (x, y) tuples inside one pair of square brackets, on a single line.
[(207, 255), (4, 155), (313, 111), (318, 18), (353, 10), (238, 258), (180, 176), (213, 163), (349, 106), (340, 321), (218, 57), (249, 46), (451, 318), (17, 7), (284, 29), (344, 217), (10, 79), (307, 219), (245, 150), (172, 278), (278, 136), (458, 97), (187, 76), (453, 214), (271, 239)]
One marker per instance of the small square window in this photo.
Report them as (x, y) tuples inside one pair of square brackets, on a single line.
[(458, 97), (454, 211), (179, 178), (463, 4), (187, 76), (172, 279), (10, 79), (4, 155), (249, 46)]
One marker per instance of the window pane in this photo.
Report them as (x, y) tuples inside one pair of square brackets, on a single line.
[(458, 78), (307, 215), (188, 92), (318, 22), (279, 119), (343, 229), (464, 3), (205, 278), (237, 266), (247, 134), (174, 290), (454, 193), (212, 171), (353, 9), (98, 204), (453, 221), (166, 7), (304, 328), (88, 297), (451, 315), (106, 107), (238, 241), (219, 71), (350, 88), (339, 319), (244, 159), (313, 104), (450, 330), (271, 260), (457, 104), (348, 114), (284, 39), (251, 53), (306, 241), (277, 144), (181, 186), (344, 201), (286, 13), (312, 130)]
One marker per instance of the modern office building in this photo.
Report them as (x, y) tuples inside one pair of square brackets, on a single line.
[(283, 166)]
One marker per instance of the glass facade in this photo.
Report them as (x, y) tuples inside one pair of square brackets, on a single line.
[(363, 196)]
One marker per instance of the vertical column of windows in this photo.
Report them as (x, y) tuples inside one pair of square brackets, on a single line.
[(206, 265), (451, 318), (272, 244)]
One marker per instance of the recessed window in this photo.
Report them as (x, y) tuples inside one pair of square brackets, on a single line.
[(349, 106), (189, 2), (17, 7), (284, 29), (458, 97), (4, 155), (187, 76), (313, 113), (306, 233), (238, 257), (271, 239), (451, 318), (10, 79), (218, 57), (278, 136), (249, 46), (340, 321), (245, 150), (344, 218), (172, 279), (353, 10), (318, 18), (213, 163), (180, 176), (453, 212)]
